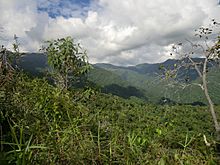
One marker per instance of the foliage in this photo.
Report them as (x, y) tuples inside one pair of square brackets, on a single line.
[(88, 127), (207, 47), (52, 125), (22, 149), (149, 85), (67, 59), (153, 88)]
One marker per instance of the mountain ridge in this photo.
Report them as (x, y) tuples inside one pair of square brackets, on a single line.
[(141, 81)]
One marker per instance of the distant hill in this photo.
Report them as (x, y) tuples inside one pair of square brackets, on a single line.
[(34, 63), (141, 81), (146, 78)]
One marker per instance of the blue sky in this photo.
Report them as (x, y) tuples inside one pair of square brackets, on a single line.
[(121, 32), (57, 8)]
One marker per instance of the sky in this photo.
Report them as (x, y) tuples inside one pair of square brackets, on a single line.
[(120, 32)]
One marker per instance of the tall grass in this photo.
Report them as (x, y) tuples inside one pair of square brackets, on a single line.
[(49, 126)]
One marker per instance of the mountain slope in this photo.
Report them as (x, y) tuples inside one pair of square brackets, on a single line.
[(146, 77), (142, 81)]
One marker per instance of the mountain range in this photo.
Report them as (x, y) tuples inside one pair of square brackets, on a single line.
[(143, 81)]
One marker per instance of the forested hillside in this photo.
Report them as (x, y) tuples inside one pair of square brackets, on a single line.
[(147, 78), (58, 109), (109, 82), (44, 125), (142, 81)]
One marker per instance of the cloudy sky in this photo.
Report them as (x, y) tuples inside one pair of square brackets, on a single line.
[(121, 32)]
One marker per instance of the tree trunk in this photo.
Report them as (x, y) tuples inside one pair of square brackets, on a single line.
[(211, 104)]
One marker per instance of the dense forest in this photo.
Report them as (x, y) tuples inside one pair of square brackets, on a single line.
[(68, 116)]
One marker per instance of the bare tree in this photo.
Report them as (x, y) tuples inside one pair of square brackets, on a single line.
[(9, 62), (206, 46), (7, 76)]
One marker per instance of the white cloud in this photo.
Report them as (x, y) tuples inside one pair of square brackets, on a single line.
[(17, 17), (121, 32)]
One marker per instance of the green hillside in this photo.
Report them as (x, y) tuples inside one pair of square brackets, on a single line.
[(153, 87), (44, 123), (142, 81)]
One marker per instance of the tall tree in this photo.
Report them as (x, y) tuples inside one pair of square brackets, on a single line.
[(67, 59)]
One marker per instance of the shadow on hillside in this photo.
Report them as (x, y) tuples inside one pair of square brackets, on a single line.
[(124, 92), (167, 101), (34, 64)]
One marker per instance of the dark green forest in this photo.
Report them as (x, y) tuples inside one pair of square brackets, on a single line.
[(71, 112), (142, 81)]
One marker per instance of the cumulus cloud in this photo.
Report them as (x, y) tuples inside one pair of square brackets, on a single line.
[(123, 32)]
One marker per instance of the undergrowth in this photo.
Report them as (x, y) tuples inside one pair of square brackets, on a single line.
[(45, 125)]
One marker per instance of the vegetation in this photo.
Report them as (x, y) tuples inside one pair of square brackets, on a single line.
[(49, 126), (47, 123), (210, 53), (148, 84), (151, 86), (67, 59)]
